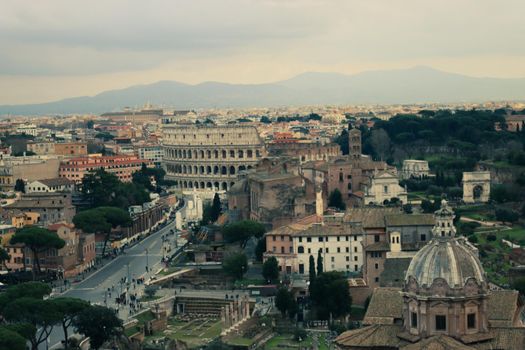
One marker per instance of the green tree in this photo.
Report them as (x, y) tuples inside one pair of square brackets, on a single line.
[(319, 262), (260, 249), (101, 188), (284, 301), (235, 265), (311, 268), (98, 323), (270, 269), (4, 256), (330, 295), (216, 207), (335, 200), (40, 314), (242, 231), (102, 220), (20, 186), (264, 119), (68, 308), (11, 340), (519, 285), (506, 215), (38, 240)]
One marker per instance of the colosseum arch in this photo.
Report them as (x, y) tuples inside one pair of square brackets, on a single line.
[(215, 170), (208, 185), (476, 187), (224, 186), (216, 154), (196, 185), (232, 170), (216, 186), (202, 184), (202, 154), (208, 169), (242, 168), (224, 170), (202, 170)]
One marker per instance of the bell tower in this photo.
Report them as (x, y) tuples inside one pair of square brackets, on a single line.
[(354, 142)]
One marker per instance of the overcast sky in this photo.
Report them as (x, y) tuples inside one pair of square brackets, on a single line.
[(62, 48)]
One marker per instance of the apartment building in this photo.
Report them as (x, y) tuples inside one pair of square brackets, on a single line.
[(58, 148), (123, 167)]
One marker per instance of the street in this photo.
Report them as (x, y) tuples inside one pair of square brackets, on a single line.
[(95, 287)]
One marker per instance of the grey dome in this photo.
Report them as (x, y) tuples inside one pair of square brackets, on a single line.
[(453, 260)]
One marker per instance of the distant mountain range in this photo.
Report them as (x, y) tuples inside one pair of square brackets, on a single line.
[(414, 85)]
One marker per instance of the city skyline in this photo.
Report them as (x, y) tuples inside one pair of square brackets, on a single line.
[(63, 49)]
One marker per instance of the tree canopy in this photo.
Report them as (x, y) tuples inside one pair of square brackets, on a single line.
[(235, 265), (330, 295), (101, 188), (102, 220), (98, 323), (38, 240), (285, 302), (335, 200), (242, 231), (270, 269)]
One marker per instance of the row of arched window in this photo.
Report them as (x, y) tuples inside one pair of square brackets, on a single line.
[(211, 154), (205, 169), (217, 186)]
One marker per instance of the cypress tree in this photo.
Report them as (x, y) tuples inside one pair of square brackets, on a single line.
[(312, 268), (319, 263)]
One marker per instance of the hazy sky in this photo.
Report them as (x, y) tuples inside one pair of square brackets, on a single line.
[(61, 48)]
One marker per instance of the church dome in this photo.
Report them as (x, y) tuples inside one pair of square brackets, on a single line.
[(451, 259)]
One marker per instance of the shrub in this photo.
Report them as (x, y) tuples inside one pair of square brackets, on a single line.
[(491, 237)]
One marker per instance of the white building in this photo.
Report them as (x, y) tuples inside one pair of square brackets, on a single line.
[(340, 248), (58, 184), (413, 168), (151, 153), (384, 186)]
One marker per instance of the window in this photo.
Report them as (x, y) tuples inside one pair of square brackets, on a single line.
[(441, 323), (347, 250), (282, 250), (309, 250), (309, 239), (300, 239), (338, 250), (300, 249), (376, 279), (327, 250), (376, 238), (333, 259), (291, 249), (376, 266), (471, 321), (355, 249), (347, 258), (355, 238), (273, 238), (320, 239), (356, 267), (282, 238), (338, 238), (423, 237), (413, 320), (355, 258), (385, 189)]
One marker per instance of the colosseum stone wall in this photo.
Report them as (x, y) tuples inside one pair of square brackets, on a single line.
[(209, 158)]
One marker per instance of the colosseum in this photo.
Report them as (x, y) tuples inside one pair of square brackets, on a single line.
[(209, 157)]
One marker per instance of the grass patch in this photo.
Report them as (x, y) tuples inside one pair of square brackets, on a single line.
[(240, 341), (147, 298), (145, 317), (286, 342), (247, 281)]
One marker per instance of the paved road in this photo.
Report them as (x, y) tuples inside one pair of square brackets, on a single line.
[(94, 288)]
